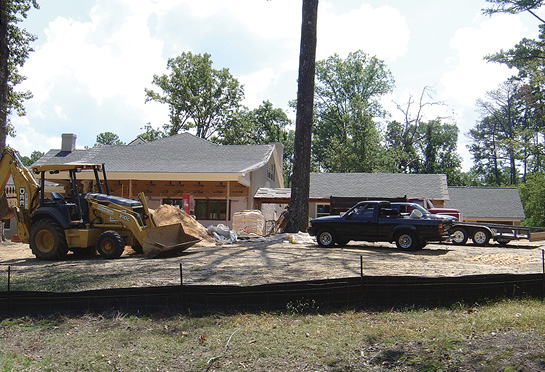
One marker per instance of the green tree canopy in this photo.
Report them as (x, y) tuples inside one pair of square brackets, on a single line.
[(108, 138), (198, 96), (34, 157), (265, 124), (348, 92), (532, 194), (14, 51)]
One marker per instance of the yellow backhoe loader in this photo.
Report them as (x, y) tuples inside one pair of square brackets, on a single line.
[(84, 222)]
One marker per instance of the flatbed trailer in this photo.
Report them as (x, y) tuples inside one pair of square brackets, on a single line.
[(481, 233)]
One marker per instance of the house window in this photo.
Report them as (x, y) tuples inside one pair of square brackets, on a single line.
[(322, 210), (211, 209), (271, 171)]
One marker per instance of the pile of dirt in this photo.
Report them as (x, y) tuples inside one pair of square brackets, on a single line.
[(501, 259), (168, 215)]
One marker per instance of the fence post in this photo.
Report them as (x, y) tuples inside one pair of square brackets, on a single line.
[(9, 291), (182, 302), (543, 273), (361, 281)]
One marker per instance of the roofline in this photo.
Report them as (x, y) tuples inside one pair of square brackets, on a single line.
[(236, 177)]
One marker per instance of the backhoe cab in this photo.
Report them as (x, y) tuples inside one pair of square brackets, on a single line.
[(84, 222)]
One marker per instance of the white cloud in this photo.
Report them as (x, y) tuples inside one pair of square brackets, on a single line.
[(381, 31), (472, 77)]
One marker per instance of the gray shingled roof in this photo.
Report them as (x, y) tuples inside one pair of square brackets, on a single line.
[(182, 153), (486, 202), (380, 185)]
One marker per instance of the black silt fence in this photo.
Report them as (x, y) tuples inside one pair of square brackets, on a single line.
[(357, 292)]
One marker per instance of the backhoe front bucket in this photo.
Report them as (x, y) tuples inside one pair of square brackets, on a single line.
[(169, 238)]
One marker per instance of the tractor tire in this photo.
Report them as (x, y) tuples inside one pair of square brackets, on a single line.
[(459, 236), (406, 241), (481, 237), (110, 244), (326, 238), (47, 240)]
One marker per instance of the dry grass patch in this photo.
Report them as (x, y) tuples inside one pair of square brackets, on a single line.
[(497, 337)]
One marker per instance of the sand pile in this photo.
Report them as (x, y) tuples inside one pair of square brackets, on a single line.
[(168, 215), (502, 259)]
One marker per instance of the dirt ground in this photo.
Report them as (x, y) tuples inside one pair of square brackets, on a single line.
[(259, 262)]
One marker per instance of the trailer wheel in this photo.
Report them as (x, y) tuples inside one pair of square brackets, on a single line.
[(407, 241), (47, 240), (110, 244), (503, 242), (481, 237), (459, 236), (326, 238)]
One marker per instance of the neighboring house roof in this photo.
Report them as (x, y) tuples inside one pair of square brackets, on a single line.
[(486, 202), (182, 153), (379, 185)]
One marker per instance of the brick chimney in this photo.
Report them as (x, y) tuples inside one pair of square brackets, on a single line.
[(68, 142)]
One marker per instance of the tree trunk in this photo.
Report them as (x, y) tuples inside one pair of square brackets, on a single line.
[(300, 185), (4, 73)]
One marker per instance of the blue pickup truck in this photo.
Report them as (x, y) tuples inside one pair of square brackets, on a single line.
[(377, 221)]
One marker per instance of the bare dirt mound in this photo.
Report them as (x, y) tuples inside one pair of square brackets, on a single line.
[(168, 215)]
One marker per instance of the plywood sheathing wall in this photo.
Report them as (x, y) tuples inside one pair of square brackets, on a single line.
[(173, 189)]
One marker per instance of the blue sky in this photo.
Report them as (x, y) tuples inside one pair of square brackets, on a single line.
[(93, 58)]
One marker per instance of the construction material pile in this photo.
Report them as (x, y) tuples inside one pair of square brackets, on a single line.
[(168, 214), (249, 221)]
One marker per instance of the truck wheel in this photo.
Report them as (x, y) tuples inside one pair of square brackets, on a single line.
[(406, 241), (481, 237), (326, 238), (47, 240), (459, 236), (110, 244)]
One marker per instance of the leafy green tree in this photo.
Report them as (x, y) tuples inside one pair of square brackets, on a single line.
[(416, 145), (14, 51), (496, 138), (514, 7), (262, 125), (198, 96), (34, 157), (348, 92), (438, 147), (108, 138), (532, 194), (151, 133)]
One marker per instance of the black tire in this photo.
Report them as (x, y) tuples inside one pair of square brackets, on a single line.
[(503, 242), (422, 244), (459, 236), (480, 237), (110, 244), (47, 240), (326, 238), (406, 240)]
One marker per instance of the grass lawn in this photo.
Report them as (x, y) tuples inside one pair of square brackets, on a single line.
[(501, 336)]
